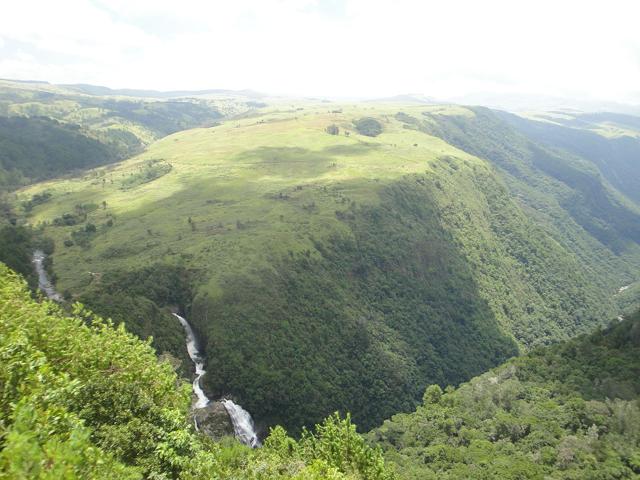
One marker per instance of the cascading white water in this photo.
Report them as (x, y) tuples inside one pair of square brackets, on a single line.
[(242, 423), (194, 354), (241, 419), (43, 280)]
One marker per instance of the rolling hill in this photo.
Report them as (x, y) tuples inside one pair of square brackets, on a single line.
[(329, 266), (49, 130)]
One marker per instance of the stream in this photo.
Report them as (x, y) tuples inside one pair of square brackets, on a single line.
[(44, 283), (243, 425)]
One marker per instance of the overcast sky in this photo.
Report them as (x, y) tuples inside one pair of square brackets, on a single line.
[(339, 48)]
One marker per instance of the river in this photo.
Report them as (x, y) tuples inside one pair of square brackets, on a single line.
[(43, 279)]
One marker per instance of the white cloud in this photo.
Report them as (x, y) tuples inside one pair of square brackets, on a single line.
[(320, 47)]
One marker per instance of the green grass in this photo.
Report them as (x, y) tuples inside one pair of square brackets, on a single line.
[(218, 180)]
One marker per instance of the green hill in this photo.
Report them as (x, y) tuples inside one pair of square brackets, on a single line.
[(32, 149), (50, 130), (569, 412), (347, 271)]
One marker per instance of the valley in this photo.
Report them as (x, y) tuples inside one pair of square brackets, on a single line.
[(326, 269), (319, 240)]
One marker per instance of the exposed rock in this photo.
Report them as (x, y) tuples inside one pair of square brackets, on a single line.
[(213, 420)]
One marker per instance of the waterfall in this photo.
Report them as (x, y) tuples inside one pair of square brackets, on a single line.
[(241, 419), (43, 280), (242, 423), (194, 354)]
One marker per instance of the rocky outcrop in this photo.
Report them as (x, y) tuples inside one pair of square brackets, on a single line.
[(213, 420)]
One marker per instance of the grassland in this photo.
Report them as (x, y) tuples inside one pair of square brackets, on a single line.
[(283, 192), (121, 124)]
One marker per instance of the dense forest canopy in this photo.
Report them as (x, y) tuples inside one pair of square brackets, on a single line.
[(84, 399), (571, 411), (33, 149)]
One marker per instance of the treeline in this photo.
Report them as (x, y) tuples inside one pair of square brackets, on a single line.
[(575, 183), (615, 157), (565, 412), (82, 399)]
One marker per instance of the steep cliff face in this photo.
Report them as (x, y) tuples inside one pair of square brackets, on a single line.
[(442, 279)]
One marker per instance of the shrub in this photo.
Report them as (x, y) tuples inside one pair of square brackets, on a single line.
[(333, 129), (368, 126)]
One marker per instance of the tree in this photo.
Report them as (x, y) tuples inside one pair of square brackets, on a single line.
[(432, 395), (333, 129), (368, 126)]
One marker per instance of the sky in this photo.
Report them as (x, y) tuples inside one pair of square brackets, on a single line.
[(334, 48)]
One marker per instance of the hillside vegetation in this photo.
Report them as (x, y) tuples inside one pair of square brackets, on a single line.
[(49, 130), (36, 148), (81, 399), (568, 412), (347, 272)]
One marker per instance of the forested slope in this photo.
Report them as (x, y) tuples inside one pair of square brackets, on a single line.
[(33, 149), (570, 411), (81, 399), (614, 151)]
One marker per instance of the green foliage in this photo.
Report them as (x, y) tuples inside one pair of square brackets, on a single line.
[(46, 132), (615, 157), (148, 172), (67, 219), (368, 126), (376, 315), (37, 148), (333, 451), (37, 199), (568, 411), (85, 400), (573, 182), (139, 299), (16, 247), (82, 399), (333, 129), (336, 442)]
